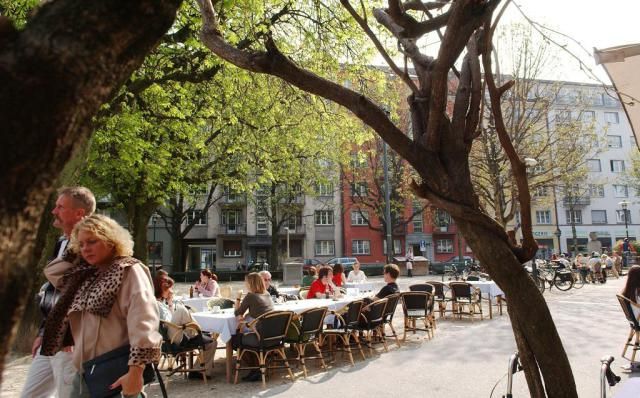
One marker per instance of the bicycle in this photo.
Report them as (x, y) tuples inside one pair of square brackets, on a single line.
[(561, 278), (451, 273)]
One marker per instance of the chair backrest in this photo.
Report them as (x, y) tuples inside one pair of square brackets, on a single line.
[(303, 293), (422, 287), (311, 321), (392, 304), (224, 303), (375, 313), (353, 313), (473, 278), (416, 301), (625, 303), (460, 290), (225, 291), (273, 326), (439, 289)]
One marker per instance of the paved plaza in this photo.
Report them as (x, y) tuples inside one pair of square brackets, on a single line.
[(465, 359)]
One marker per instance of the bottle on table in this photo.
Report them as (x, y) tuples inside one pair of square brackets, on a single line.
[(190, 291)]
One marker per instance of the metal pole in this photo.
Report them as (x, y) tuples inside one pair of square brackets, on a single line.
[(154, 221), (626, 222), (387, 204), (288, 255)]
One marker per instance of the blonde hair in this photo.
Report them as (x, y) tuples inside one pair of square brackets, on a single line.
[(255, 283), (82, 198), (105, 229)]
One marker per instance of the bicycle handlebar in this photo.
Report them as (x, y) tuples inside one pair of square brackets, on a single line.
[(607, 374)]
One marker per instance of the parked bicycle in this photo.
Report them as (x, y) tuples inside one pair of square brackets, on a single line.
[(451, 272)]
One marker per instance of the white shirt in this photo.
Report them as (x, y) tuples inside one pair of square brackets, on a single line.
[(356, 277), (63, 247)]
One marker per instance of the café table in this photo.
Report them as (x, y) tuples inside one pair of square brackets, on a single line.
[(224, 322), (491, 290), (197, 303), (289, 290), (365, 287)]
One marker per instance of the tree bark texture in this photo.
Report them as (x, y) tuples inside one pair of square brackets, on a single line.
[(70, 58), (439, 152)]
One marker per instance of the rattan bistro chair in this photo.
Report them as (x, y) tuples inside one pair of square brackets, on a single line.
[(178, 352), (418, 306), (345, 330), (466, 299), (389, 312), (422, 287), (627, 307), (371, 323), (308, 326), (266, 336), (440, 297)]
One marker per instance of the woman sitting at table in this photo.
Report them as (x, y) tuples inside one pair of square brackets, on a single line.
[(255, 303), (207, 286), (322, 286), (356, 276), (338, 278), (310, 277), (632, 292), (178, 314)]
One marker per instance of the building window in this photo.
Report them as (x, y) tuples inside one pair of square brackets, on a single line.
[(599, 216), (359, 189), (563, 117), (620, 214), (324, 217), (621, 191), (444, 246), (540, 191), (442, 218), (596, 190), (358, 161), (361, 247), (614, 141), (611, 117), (396, 246), (199, 216), (232, 248), (617, 166), (588, 116), (417, 223), (325, 247), (359, 217), (574, 217), (231, 217), (324, 189), (594, 165), (543, 216)]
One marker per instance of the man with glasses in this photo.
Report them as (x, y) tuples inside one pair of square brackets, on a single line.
[(266, 278)]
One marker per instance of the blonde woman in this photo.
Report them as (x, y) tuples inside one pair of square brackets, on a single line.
[(107, 301)]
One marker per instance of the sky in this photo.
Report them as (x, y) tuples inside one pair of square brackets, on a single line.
[(599, 24)]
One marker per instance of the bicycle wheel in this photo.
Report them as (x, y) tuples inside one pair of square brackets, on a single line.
[(562, 283), (578, 282), (539, 282)]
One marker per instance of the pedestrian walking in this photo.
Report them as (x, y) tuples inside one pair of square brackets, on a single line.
[(409, 264)]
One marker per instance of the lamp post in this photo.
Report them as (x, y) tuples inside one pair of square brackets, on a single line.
[(530, 162), (624, 204), (287, 229), (154, 222)]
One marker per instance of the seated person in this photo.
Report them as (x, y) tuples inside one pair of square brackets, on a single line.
[(266, 278), (632, 292), (322, 286), (207, 286), (356, 276), (255, 303), (310, 277), (391, 273), (338, 278), (178, 314)]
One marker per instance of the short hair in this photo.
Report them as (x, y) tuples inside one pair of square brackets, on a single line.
[(265, 273), (82, 198), (159, 282), (324, 271), (105, 229), (392, 270), (206, 273), (312, 271), (338, 268), (255, 282)]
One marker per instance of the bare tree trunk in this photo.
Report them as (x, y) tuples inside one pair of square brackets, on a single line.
[(55, 74)]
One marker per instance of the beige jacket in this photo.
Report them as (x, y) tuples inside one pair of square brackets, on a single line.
[(133, 319)]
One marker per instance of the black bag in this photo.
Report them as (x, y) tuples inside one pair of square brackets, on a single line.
[(103, 370)]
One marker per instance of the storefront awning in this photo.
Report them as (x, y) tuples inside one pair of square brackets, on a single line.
[(622, 64)]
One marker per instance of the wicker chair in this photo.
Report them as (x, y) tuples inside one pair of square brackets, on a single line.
[(422, 287), (465, 296), (178, 353), (372, 322), (308, 326), (266, 336), (389, 312), (627, 307), (416, 306), (440, 297), (303, 293), (223, 303), (346, 329)]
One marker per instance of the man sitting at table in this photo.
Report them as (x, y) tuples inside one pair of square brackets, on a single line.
[(391, 273), (266, 278), (321, 286)]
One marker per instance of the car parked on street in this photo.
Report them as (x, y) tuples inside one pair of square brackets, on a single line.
[(440, 267)]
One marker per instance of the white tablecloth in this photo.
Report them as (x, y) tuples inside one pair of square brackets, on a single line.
[(489, 288), (224, 323), (289, 290), (364, 287), (197, 303)]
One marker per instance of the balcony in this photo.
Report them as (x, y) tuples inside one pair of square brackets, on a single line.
[(297, 230), (233, 229), (569, 201), (233, 200)]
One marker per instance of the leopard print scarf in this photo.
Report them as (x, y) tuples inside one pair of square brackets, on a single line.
[(83, 289)]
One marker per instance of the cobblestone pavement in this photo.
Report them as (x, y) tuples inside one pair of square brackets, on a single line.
[(465, 359)]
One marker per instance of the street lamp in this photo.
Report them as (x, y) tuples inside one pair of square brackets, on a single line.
[(288, 256), (624, 204)]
